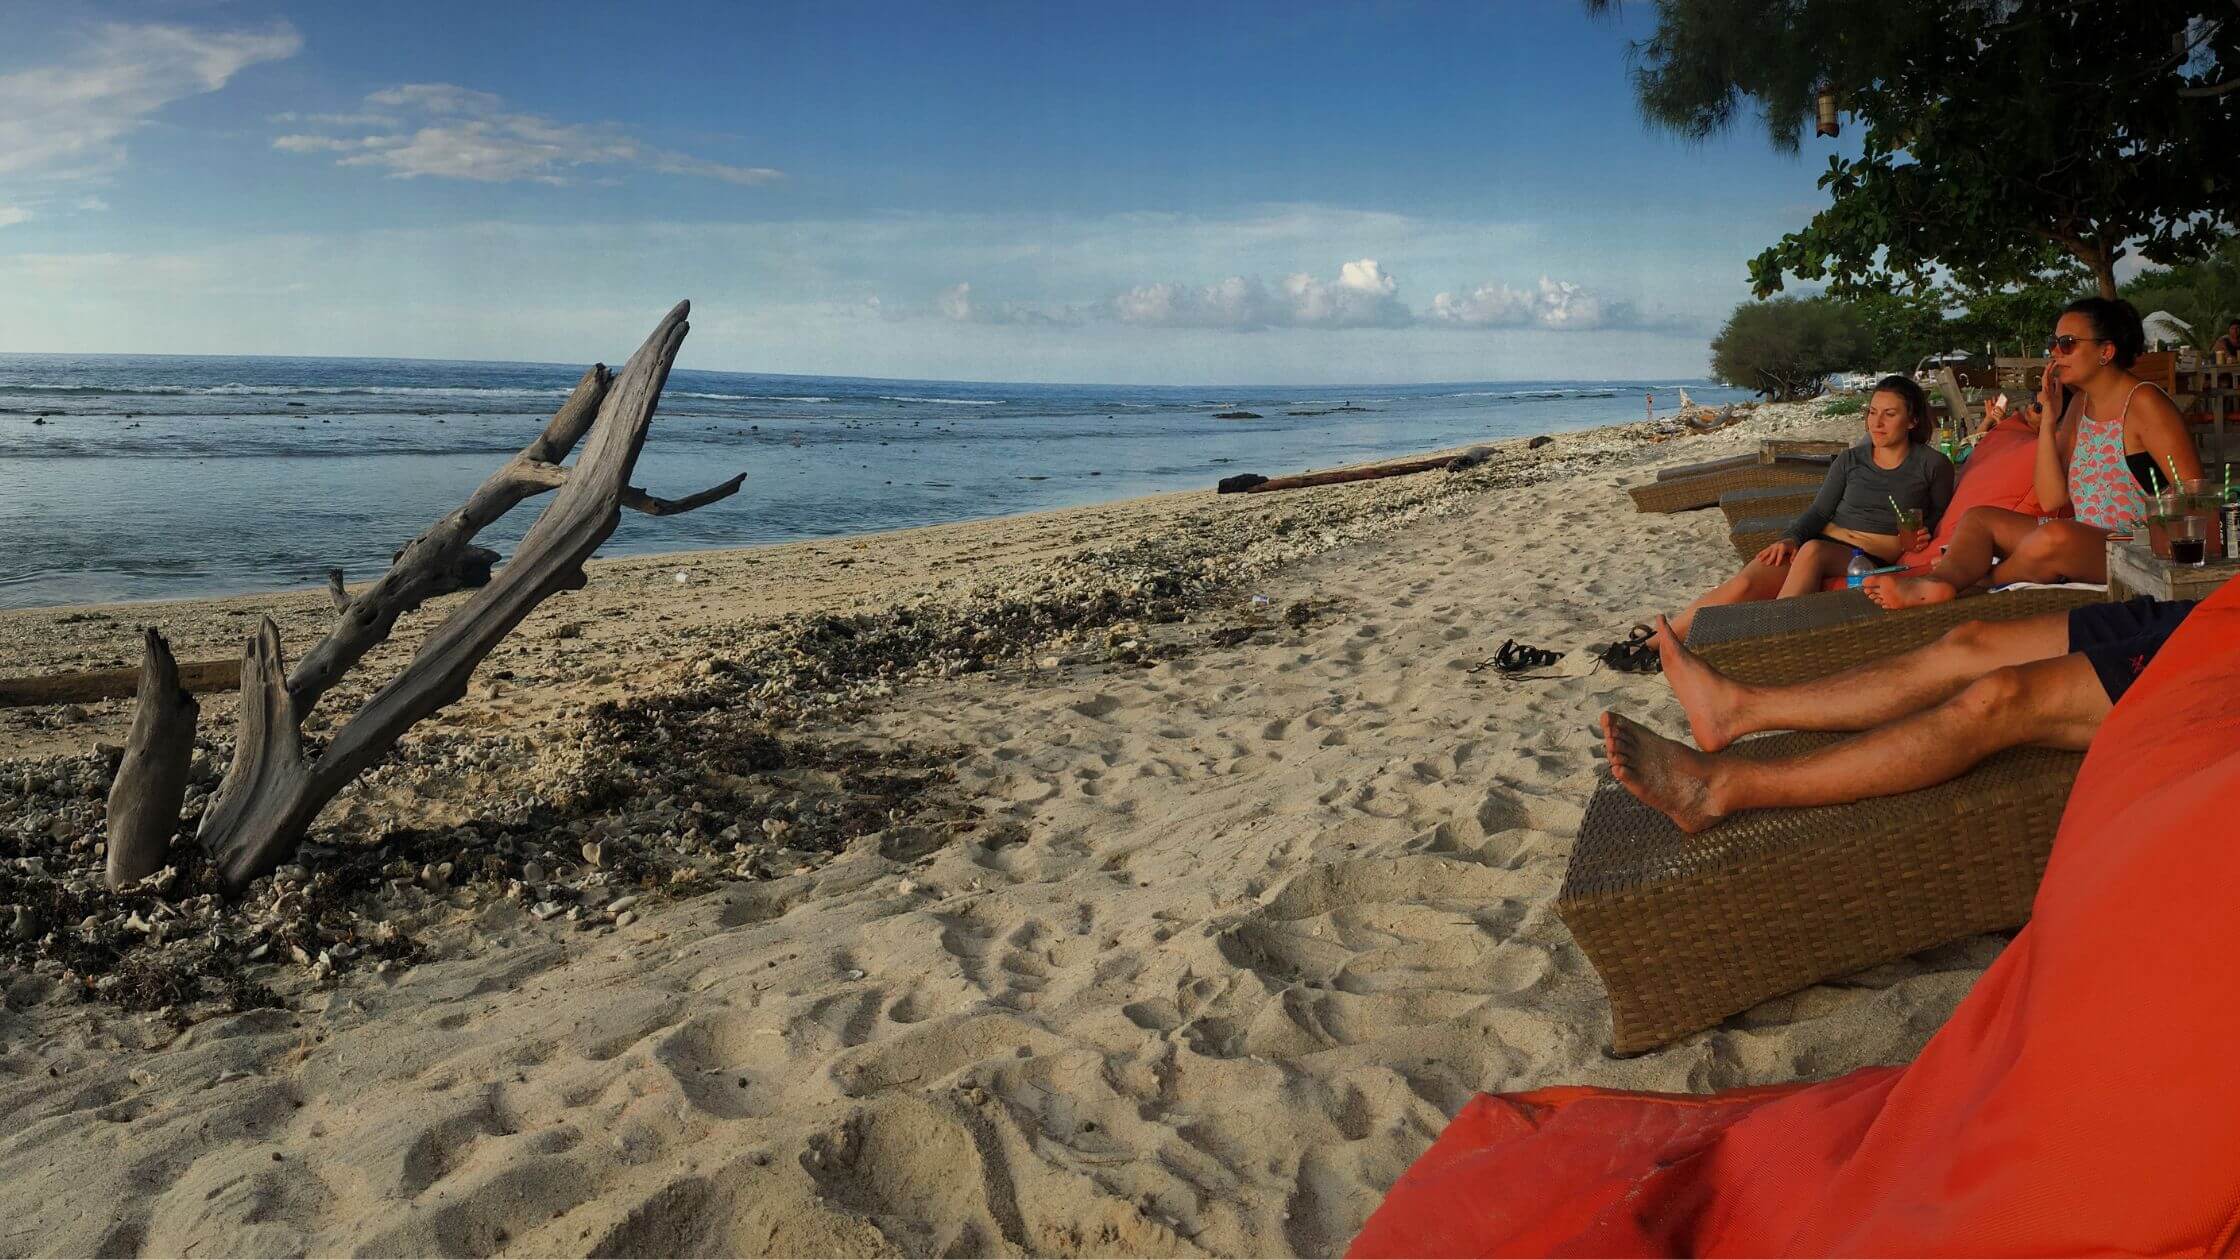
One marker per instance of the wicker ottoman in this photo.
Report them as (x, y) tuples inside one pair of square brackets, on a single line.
[(1687, 930)]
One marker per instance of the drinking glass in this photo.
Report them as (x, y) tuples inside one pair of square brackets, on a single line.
[(2161, 510), (2204, 499), (1910, 533), (2189, 540)]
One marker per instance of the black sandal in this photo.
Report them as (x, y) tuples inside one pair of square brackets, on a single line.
[(1636, 653), (1515, 658)]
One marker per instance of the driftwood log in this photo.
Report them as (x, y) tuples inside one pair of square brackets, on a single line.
[(113, 684), (272, 791), (1253, 483), (152, 778)]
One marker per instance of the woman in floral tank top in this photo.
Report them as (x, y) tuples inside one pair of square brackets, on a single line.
[(2100, 431)]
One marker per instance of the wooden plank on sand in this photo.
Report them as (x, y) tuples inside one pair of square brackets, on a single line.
[(113, 684)]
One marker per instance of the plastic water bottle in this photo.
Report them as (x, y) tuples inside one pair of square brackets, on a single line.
[(1855, 573)]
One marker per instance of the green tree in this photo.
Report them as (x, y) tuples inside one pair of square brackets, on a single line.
[(2205, 294), (1998, 137), (2018, 316), (1903, 326), (1787, 348)]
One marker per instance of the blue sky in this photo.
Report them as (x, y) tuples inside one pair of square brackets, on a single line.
[(1191, 193)]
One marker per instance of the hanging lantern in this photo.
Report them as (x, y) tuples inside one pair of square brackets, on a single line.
[(1825, 110)]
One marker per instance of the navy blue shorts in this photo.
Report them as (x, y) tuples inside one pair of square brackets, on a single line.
[(2119, 639)]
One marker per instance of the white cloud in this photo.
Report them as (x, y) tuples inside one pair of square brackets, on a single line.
[(1363, 296), (450, 132), (956, 305), (89, 203), (69, 121), (12, 215), (1557, 305), (797, 296)]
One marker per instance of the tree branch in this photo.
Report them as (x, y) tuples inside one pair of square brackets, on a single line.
[(271, 795), (152, 779)]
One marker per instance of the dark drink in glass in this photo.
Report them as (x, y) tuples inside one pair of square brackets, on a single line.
[(2188, 550)]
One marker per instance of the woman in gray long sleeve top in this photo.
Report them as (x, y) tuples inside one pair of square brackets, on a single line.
[(1894, 463)]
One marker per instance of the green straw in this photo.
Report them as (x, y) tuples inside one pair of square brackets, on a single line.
[(2154, 483)]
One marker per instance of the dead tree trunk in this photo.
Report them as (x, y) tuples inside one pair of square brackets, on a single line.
[(152, 778), (272, 792)]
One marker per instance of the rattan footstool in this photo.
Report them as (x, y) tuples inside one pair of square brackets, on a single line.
[(1687, 930)]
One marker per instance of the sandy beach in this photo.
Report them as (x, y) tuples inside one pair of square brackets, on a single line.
[(1146, 878)]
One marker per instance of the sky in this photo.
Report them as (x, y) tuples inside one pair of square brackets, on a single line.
[(1198, 193)]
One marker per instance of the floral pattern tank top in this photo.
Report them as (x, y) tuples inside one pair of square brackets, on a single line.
[(2101, 487)]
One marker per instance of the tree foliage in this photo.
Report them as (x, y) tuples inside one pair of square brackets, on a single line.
[(1999, 137), (1788, 348), (1903, 326), (2205, 294)]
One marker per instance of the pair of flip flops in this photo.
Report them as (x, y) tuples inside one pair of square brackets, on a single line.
[(1634, 654), (1516, 658)]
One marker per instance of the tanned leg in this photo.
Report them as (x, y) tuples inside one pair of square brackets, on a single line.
[(2057, 551), (1984, 534), (1722, 710), (1755, 582), (2055, 703), (1815, 562)]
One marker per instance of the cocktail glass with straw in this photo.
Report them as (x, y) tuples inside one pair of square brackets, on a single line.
[(1909, 526)]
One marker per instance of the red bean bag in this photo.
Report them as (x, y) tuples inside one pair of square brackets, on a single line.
[(2002, 472), (2083, 1098)]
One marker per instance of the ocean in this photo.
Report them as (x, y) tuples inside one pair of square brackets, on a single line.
[(135, 477)]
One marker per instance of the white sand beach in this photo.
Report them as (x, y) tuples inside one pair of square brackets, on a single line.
[(1159, 937)]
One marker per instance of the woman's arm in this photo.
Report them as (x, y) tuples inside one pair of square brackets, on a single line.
[(2051, 478), (2162, 433), (1823, 509)]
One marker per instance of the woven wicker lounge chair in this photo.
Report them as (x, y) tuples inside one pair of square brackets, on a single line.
[(1754, 534), (1769, 451), (1789, 448), (1677, 471), (1808, 636), (1702, 490), (1788, 501), (1687, 930)]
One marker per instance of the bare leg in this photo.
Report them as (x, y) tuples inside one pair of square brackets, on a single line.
[(1722, 710), (2057, 551), (1816, 562), (2056, 703), (1756, 581), (1984, 534)]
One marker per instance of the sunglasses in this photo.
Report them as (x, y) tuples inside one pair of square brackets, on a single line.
[(2064, 343)]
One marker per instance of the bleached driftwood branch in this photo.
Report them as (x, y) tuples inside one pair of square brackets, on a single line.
[(272, 792), (152, 778)]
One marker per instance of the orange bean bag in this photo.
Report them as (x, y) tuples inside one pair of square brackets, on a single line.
[(2084, 1098)]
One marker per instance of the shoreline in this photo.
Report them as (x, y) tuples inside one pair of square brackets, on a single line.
[(222, 570), (1025, 888)]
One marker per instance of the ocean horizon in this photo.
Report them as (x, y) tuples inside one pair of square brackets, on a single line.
[(143, 477)]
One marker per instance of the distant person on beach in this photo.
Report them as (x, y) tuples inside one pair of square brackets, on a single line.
[(1894, 466), (2125, 441), (1924, 716)]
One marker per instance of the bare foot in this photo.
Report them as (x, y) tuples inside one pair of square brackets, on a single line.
[(1669, 777), (1708, 696), (1892, 591)]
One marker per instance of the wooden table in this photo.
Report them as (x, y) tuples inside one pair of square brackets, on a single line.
[(2134, 569)]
